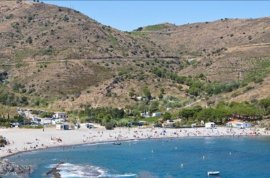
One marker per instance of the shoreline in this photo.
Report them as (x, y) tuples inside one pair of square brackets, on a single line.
[(48, 139)]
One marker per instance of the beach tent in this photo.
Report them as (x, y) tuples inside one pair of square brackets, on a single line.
[(210, 125)]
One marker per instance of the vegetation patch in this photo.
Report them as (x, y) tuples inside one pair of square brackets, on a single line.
[(223, 111), (259, 72), (155, 27)]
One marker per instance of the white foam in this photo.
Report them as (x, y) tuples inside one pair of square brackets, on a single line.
[(121, 175), (68, 170)]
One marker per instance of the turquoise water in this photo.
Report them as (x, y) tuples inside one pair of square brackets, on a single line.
[(234, 157)]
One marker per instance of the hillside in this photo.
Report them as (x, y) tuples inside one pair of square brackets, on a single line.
[(40, 31), (203, 39), (44, 42), (229, 46), (56, 58)]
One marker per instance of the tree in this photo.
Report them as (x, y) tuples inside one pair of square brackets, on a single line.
[(167, 116), (110, 125), (265, 104), (142, 106), (147, 93), (245, 109), (139, 29), (132, 92), (162, 91), (66, 18), (154, 106), (190, 112), (160, 96), (29, 40), (194, 91), (46, 114), (211, 114)]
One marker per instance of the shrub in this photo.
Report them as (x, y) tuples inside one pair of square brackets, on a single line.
[(139, 29), (167, 116), (46, 114), (3, 141), (66, 18), (190, 112), (29, 19), (29, 40), (147, 93), (109, 125)]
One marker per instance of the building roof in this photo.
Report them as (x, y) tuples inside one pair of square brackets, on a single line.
[(235, 121), (209, 123)]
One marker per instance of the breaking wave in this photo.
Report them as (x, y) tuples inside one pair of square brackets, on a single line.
[(68, 170)]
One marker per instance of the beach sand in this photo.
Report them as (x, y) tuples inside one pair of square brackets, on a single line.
[(32, 139)]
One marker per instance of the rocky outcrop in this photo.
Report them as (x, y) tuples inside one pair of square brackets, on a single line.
[(55, 171), (264, 124), (7, 167)]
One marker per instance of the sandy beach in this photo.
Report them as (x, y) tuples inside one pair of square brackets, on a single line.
[(22, 140)]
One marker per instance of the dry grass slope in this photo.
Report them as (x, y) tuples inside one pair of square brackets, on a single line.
[(70, 60)]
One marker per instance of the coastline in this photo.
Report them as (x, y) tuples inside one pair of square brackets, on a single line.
[(27, 140)]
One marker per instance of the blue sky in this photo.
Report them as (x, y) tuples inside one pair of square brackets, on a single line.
[(129, 15)]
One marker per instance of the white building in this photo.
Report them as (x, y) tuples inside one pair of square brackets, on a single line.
[(36, 120), (210, 125), (28, 114), (57, 121), (46, 121), (156, 114), (60, 115), (145, 114), (238, 124)]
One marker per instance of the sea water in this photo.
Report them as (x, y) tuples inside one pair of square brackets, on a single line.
[(234, 157)]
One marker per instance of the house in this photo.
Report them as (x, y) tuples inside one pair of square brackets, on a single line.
[(46, 121), (145, 114), (238, 124), (57, 121), (168, 124), (28, 114), (60, 115), (210, 125), (36, 120), (156, 114)]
